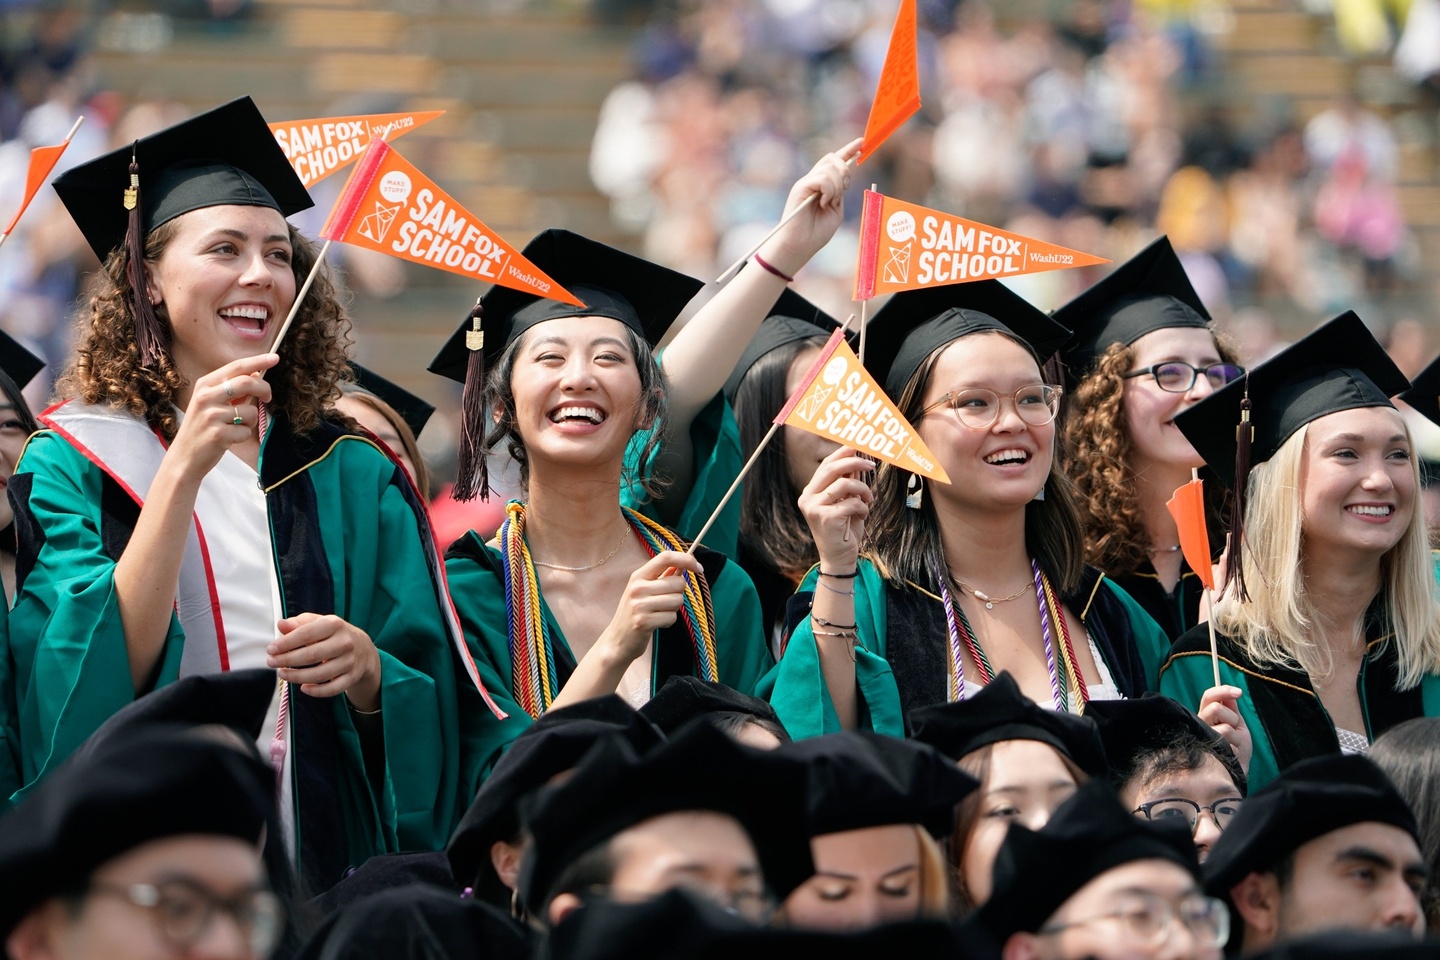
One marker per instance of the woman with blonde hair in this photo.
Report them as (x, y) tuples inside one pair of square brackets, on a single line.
[(1330, 623), (191, 508)]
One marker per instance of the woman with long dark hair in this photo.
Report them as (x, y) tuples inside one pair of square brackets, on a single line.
[(18, 367)]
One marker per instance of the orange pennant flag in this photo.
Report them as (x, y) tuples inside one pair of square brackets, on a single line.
[(42, 161), (898, 95), (904, 246), (1187, 506), (317, 148), (390, 206), (840, 401)]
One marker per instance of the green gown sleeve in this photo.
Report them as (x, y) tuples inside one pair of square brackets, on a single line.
[(741, 649), (715, 439), (1151, 642), (10, 780), (796, 686), (66, 656), (1188, 674)]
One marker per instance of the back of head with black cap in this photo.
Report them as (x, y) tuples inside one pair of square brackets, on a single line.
[(414, 410), (1339, 366), (1090, 834), (1001, 712), (227, 156), (614, 789), (1306, 801), (792, 319), (1137, 731), (858, 779), (684, 699), (1148, 292), (643, 296)]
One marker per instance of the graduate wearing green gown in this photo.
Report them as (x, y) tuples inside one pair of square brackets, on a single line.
[(173, 520), (578, 597), (1332, 530)]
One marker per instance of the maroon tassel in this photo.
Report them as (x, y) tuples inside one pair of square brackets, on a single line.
[(472, 475), (1244, 435), (148, 335)]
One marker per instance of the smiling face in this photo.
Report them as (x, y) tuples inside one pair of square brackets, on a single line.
[(1150, 411), (863, 878), (225, 283), (1003, 465), (12, 441), (577, 391), (1357, 482)]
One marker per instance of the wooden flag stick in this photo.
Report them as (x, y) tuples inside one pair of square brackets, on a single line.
[(759, 449), (1210, 611), (863, 325), (735, 267), (300, 298)]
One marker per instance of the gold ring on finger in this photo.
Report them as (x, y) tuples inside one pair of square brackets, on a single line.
[(239, 421)]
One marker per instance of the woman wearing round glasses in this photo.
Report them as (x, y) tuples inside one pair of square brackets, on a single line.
[(964, 580), (1143, 350)]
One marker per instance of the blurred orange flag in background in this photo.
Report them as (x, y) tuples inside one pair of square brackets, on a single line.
[(904, 246), (1187, 506), (42, 161), (898, 95), (317, 148), (390, 206), (840, 401)]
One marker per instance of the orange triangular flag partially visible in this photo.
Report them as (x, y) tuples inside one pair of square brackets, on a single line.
[(42, 161), (1187, 506), (898, 95), (317, 148), (390, 206), (840, 401), (904, 246)]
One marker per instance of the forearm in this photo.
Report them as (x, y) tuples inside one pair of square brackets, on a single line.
[(832, 619), (149, 569), (597, 674)]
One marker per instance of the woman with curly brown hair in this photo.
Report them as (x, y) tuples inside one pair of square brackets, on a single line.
[(1143, 351), (190, 509)]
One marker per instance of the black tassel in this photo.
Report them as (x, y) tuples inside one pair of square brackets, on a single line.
[(148, 335), (472, 475), (1244, 436)]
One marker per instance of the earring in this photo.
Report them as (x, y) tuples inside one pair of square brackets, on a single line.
[(1040, 495), (915, 492)]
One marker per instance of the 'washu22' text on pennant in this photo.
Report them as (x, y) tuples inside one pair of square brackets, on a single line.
[(904, 246)]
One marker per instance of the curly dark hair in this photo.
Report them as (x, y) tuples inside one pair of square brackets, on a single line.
[(106, 367), (1098, 461)]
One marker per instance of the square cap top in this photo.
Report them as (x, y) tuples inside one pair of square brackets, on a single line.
[(915, 323), (1338, 366), (18, 363), (644, 296), (415, 411), (225, 156), (792, 318), (1148, 292), (1423, 395)]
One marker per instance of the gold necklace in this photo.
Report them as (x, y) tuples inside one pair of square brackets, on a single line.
[(985, 598), (592, 566)]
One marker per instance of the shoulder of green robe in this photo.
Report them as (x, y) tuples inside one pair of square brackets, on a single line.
[(48, 449)]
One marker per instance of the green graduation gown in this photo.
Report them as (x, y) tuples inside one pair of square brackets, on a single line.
[(902, 659), (1286, 719), (477, 583), (349, 536)]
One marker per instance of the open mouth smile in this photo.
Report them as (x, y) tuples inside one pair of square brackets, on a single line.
[(1011, 456), (247, 319), (578, 413)]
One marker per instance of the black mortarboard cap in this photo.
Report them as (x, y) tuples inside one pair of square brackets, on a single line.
[(18, 363), (225, 156), (418, 923), (1423, 393), (551, 745), (1338, 366), (644, 296), (415, 411), (860, 779), (387, 871), (1307, 800), (1148, 292), (1091, 833), (792, 318), (679, 925), (238, 699), (614, 788), (1001, 712), (1132, 729), (1342, 944), (143, 785), (915, 323), (683, 699)]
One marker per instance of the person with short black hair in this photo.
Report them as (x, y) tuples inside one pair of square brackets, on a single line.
[(683, 700)]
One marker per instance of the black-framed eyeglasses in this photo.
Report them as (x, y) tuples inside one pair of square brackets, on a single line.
[(1177, 376), (1149, 918), (1222, 811), (978, 408), (185, 911)]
